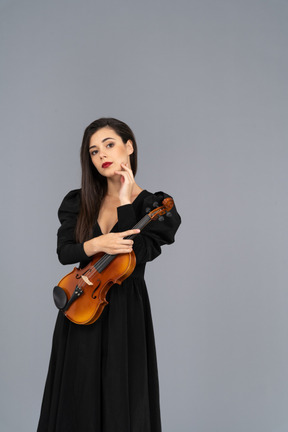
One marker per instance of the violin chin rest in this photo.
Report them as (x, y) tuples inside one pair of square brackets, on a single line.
[(60, 297)]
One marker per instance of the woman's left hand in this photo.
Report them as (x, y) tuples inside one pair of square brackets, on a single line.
[(127, 184)]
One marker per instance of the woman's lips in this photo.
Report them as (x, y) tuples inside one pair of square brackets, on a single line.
[(106, 164)]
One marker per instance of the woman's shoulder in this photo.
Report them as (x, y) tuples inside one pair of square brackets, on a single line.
[(72, 193), (153, 197), (147, 201), (71, 202)]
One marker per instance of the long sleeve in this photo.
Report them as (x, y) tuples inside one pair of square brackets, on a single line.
[(69, 252), (147, 244)]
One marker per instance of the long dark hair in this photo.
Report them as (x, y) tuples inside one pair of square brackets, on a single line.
[(94, 186)]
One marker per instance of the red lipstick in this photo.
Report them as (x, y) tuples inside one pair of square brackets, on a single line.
[(106, 164)]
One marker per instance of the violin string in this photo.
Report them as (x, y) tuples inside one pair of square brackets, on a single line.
[(107, 257), (102, 261), (82, 284)]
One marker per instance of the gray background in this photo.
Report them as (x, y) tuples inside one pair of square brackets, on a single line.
[(203, 84)]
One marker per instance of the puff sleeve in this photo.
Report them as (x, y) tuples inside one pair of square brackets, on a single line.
[(69, 252), (147, 244)]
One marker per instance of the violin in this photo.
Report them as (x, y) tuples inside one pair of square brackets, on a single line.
[(81, 294)]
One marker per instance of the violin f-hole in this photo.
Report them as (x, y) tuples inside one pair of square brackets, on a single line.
[(93, 295)]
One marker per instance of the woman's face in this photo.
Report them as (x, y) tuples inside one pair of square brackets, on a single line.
[(107, 151)]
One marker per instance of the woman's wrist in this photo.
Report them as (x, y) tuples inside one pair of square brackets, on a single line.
[(90, 247)]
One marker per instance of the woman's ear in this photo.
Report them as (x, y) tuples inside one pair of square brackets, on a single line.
[(129, 146)]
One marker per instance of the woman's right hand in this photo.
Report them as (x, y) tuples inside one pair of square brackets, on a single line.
[(111, 243)]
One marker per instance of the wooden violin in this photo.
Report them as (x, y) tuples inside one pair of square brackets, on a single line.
[(81, 294)]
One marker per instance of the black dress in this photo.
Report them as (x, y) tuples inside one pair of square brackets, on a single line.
[(103, 377)]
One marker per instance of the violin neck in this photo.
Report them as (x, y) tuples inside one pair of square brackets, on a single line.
[(140, 225), (106, 259)]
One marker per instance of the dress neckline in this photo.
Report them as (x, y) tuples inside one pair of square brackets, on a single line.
[(133, 202)]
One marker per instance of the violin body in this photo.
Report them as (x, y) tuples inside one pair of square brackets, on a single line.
[(81, 294), (94, 286)]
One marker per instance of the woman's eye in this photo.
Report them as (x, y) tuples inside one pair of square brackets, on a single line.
[(110, 145), (93, 152)]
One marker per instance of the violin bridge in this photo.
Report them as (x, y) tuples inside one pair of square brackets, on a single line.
[(86, 280)]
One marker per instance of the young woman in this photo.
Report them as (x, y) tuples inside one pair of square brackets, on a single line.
[(103, 377)]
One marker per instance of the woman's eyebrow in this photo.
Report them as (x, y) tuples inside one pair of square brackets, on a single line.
[(105, 139)]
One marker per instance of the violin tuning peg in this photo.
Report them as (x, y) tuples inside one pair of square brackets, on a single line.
[(169, 214), (155, 204), (148, 209), (161, 218)]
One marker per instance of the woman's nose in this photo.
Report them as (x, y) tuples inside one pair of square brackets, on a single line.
[(102, 153)]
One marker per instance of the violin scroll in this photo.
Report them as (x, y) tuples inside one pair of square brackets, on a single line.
[(167, 205)]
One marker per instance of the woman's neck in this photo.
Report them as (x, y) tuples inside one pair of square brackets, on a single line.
[(114, 186)]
